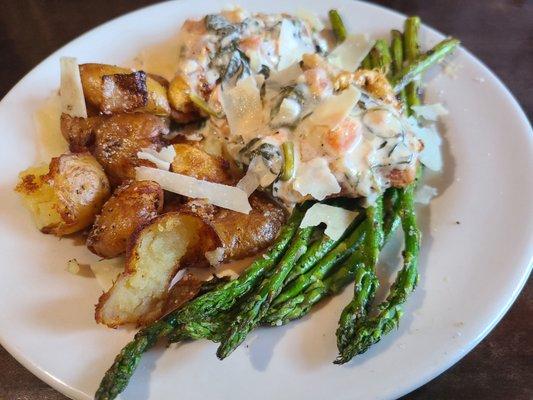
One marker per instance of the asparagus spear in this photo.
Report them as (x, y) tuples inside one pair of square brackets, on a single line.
[(256, 306), (422, 63), (117, 376), (339, 30), (301, 304), (397, 60), (412, 51), (390, 311), (366, 281), (380, 56), (317, 251), (343, 250)]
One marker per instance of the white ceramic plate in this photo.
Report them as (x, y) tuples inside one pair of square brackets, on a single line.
[(470, 272)]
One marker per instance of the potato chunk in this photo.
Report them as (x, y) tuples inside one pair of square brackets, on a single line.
[(132, 205), (241, 235), (193, 161), (79, 132), (118, 139), (65, 196), (155, 254), (104, 87)]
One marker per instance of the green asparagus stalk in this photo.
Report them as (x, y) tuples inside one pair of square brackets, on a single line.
[(317, 251), (412, 51), (257, 304), (339, 30), (425, 61), (389, 312), (117, 377), (380, 56), (366, 281), (343, 250), (397, 60), (300, 305)]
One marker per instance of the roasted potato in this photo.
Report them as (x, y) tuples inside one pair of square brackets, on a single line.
[(183, 110), (101, 83), (132, 205), (193, 161), (79, 132), (241, 235), (156, 252), (65, 196), (118, 139)]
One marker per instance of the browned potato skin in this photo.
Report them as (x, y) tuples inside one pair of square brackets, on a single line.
[(92, 82), (138, 296), (193, 161), (242, 235), (124, 92), (133, 204), (70, 194), (118, 139), (183, 110), (79, 132)]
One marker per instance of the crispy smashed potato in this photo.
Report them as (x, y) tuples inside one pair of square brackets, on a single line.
[(193, 161), (65, 196), (183, 110), (132, 205), (156, 252), (79, 132), (118, 139), (241, 235), (114, 89), (124, 92), (244, 235)]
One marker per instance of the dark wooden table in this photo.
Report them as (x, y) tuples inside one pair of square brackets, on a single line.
[(499, 32)]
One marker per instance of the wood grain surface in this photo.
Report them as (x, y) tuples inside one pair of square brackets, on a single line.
[(499, 32)]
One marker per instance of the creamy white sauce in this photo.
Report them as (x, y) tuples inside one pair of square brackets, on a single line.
[(345, 142)]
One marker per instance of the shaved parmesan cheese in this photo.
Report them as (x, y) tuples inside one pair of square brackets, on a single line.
[(73, 266), (257, 175), (285, 76), (162, 159), (315, 178), (72, 100), (224, 196), (215, 257), (336, 219), (311, 18), (243, 108), (144, 155), (291, 47), (289, 110), (349, 54), (430, 112), (107, 271), (424, 194), (228, 272), (430, 156), (334, 109)]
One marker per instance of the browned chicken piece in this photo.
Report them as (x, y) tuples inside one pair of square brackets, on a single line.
[(132, 205), (192, 161), (376, 83), (65, 196), (118, 139), (155, 254)]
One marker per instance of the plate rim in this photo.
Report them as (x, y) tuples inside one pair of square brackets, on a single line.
[(422, 379)]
